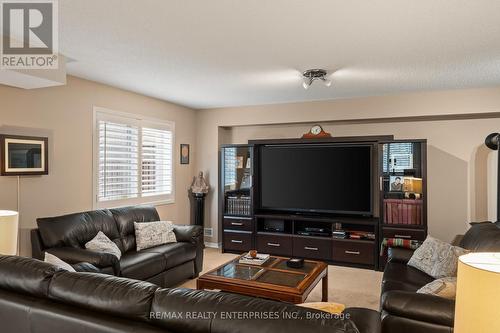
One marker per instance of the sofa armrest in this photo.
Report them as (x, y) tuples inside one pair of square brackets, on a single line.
[(85, 267), (189, 233), (420, 307), (73, 255), (192, 234), (36, 244), (398, 254), (366, 320)]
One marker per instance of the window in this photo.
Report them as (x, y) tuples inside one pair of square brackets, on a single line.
[(230, 167), (133, 160), (398, 156)]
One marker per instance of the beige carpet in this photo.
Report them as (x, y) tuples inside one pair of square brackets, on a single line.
[(349, 286)]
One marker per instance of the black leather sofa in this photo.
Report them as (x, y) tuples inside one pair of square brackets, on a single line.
[(165, 265), (403, 310), (37, 297)]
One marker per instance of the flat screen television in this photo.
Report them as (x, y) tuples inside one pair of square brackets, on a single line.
[(316, 178)]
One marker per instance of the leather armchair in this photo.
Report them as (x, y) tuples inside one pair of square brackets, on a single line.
[(402, 309)]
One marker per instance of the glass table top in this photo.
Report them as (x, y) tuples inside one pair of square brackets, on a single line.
[(274, 271)]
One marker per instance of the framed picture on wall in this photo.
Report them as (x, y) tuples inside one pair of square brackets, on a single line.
[(22, 155), (184, 153)]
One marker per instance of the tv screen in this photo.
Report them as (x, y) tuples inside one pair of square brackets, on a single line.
[(328, 178)]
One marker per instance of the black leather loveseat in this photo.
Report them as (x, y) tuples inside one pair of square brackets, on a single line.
[(403, 310), (165, 265), (37, 297)]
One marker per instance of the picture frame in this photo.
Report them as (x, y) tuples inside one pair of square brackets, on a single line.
[(396, 183), (23, 155), (184, 151)]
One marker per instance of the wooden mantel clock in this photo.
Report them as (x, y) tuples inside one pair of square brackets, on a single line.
[(316, 131)]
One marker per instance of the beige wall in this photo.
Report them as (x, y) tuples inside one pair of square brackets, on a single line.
[(460, 170), (64, 114)]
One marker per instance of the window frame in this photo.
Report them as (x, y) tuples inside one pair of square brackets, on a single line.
[(140, 121)]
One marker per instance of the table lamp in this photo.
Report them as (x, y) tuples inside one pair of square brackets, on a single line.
[(8, 232), (478, 293)]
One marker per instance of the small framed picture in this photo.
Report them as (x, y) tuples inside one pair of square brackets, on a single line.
[(184, 153), (22, 155), (396, 183)]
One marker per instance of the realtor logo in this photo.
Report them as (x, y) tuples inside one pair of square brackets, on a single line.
[(29, 34)]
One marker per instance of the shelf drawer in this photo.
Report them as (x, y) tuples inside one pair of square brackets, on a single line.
[(358, 252), (404, 233), (238, 224), (314, 248), (237, 241), (280, 245)]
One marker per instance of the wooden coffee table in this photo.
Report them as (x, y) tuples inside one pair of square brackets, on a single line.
[(273, 280)]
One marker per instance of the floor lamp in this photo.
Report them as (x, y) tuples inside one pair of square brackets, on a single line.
[(492, 141), (9, 221)]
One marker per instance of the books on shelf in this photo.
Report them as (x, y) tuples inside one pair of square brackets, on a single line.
[(259, 260), (238, 205), (403, 211)]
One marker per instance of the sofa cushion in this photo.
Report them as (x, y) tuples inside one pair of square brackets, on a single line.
[(444, 287), (125, 218), (75, 230), (104, 293), (101, 243), (482, 237), (142, 265), (151, 234), (437, 258), (53, 260), (175, 253), (26, 275)]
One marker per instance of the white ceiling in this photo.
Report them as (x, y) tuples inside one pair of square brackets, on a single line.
[(215, 53)]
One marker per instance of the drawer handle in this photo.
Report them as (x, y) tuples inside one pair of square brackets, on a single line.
[(402, 236), (237, 223), (310, 248), (274, 244), (236, 241), (352, 252)]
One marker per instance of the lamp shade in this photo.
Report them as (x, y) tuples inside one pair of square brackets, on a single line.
[(8, 232), (478, 293)]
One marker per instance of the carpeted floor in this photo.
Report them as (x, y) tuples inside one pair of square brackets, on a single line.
[(349, 286)]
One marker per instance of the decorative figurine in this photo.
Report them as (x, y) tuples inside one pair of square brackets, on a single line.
[(199, 185)]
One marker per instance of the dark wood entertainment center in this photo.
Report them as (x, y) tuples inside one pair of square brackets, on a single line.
[(399, 208)]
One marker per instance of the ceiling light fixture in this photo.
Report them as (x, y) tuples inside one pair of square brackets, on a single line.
[(312, 75)]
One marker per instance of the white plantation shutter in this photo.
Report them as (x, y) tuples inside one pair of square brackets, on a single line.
[(118, 157), (156, 162), (133, 161)]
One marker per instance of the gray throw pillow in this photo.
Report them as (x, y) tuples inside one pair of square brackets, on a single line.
[(150, 234), (437, 258), (444, 287), (52, 259), (101, 243)]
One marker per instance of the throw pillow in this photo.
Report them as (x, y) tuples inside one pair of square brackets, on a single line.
[(445, 287), (330, 307), (150, 234), (437, 258), (52, 259), (101, 243)]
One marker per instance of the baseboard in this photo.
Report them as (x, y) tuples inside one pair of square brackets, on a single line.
[(213, 245)]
